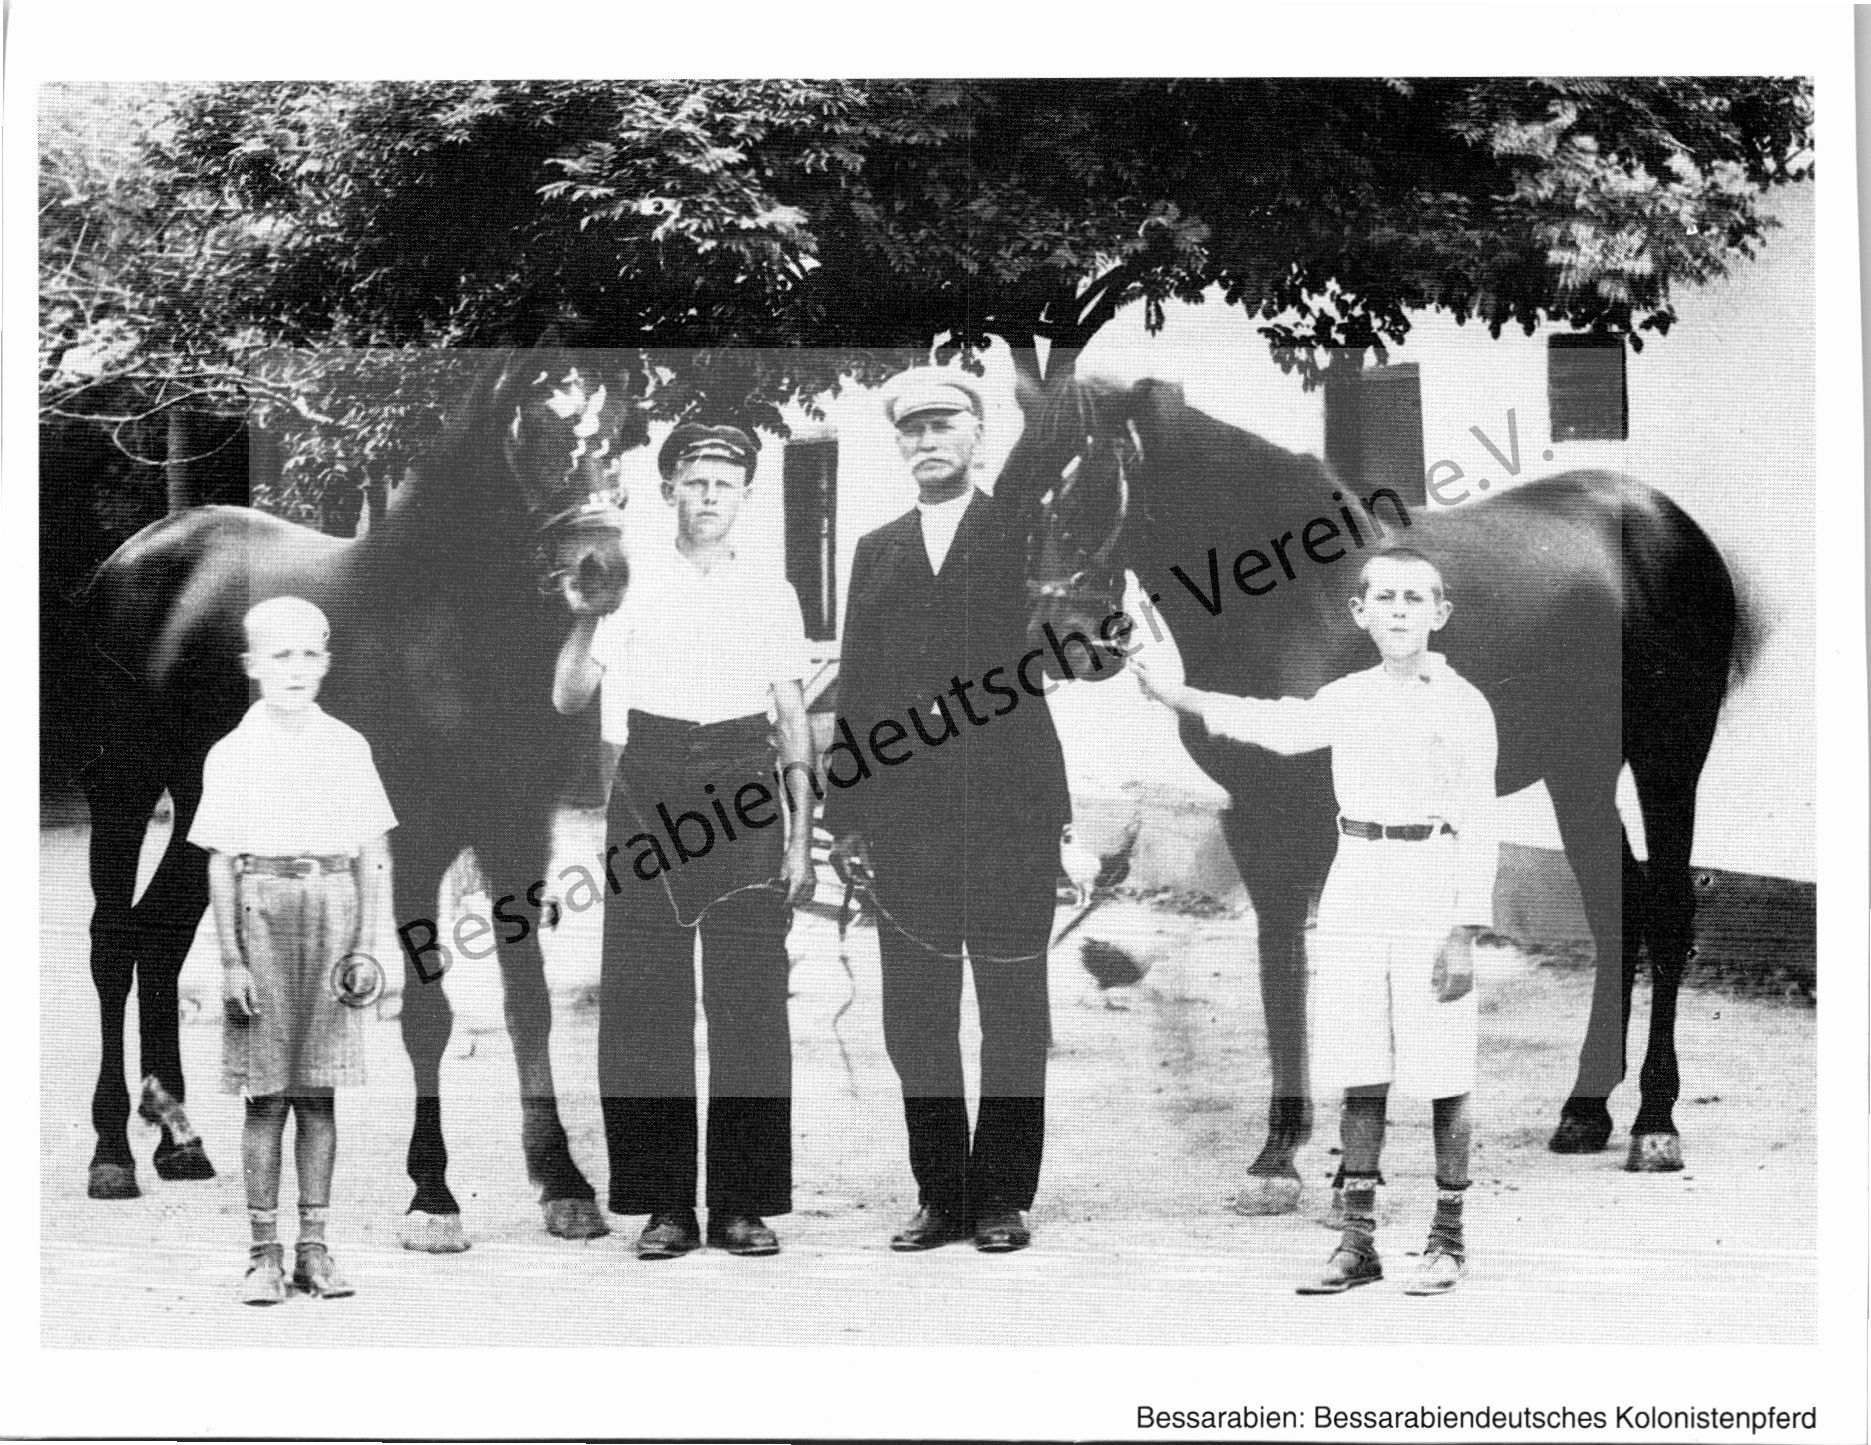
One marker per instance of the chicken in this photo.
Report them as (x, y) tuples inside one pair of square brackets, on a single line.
[(1110, 966)]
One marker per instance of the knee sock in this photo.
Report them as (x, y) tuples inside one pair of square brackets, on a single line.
[(312, 1225), (265, 1226), (1445, 1231), (1360, 1230)]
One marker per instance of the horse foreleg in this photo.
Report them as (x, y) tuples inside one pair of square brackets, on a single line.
[(1603, 864), (566, 1196), (1273, 1184), (433, 1220), (1669, 825)]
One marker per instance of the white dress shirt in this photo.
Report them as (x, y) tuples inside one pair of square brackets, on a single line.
[(940, 522), (1403, 751), (280, 789), (706, 647)]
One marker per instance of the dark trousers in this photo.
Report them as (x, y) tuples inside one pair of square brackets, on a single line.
[(646, 1017), (946, 897)]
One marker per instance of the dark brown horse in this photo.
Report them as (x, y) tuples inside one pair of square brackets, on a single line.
[(444, 628), (1597, 618)]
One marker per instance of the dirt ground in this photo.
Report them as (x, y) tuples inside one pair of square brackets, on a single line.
[(1156, 1103)]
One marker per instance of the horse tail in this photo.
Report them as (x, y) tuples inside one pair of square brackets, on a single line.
[(1751, 624), (1679, 572)]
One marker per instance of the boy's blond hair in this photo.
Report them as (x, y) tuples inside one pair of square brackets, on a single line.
[(293, 616)]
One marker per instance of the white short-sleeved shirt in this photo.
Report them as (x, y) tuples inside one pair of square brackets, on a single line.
[(290, 789), (702, 646), (1403, 751)]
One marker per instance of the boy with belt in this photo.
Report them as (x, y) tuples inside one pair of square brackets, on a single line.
[(700, 669), (1413, 763), (294, 817)]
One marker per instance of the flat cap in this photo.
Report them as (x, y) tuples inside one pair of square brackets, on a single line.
[(930, 389), (692, 442)]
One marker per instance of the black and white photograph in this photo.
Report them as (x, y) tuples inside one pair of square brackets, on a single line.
[(1021, 751)]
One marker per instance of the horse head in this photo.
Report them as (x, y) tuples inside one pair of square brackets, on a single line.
[(1071, 479), (560, 421)]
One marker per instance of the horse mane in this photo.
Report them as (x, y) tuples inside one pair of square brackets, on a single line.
[(1073, 408), (460, 453), (1226, 470), (457, 481)]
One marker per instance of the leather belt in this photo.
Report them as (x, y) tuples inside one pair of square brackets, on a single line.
[(301, 867), (1401, 832)]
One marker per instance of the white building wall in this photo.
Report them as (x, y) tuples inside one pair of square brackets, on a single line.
[(1721, 419)]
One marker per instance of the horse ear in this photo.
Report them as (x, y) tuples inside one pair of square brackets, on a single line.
[(551, 339), (1027, 392)]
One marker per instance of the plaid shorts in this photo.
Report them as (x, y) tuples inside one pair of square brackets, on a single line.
[(293, 932)]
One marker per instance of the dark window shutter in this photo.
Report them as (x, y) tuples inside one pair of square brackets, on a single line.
[(1585, 390), (809, 483), (1374, 428)]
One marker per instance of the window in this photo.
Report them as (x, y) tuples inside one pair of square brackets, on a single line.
[(809, 481), (1374, 426), (1585, 388)]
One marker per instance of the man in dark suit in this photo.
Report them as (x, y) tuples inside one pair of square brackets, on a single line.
[(958, 822)]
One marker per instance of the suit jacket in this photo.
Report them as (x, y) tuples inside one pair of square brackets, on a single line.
[(909, 635)]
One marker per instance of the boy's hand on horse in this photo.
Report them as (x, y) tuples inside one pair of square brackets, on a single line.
[(597, 597), (592, 582), (1159, 674), (237, 993), (1454, 973)]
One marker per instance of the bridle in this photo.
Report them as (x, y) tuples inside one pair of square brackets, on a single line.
[(1060, 570), (598, 509), (596, 514)]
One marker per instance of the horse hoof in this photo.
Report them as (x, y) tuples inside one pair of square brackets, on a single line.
[(575, 1219), (1655, 1154), (1261, 1195), (185, 1161), (1580, 1136), (433, 1233), (113, 1181)]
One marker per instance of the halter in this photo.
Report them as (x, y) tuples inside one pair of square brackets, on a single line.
[(1090, 573), (595, 514)]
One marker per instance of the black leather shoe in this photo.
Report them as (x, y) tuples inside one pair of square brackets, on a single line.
[(929, 1228), (741, 1234), (669, 1233), (1350, 1266), (1001, 1231)]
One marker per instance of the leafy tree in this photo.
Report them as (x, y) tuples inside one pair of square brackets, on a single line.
[(756, 241)]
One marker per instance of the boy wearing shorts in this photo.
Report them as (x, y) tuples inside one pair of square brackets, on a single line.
[(1413, 761), (294, 817)]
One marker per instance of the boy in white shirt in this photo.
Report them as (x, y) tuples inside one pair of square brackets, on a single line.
[(1413, 763), (294, 816), (699, 674)]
